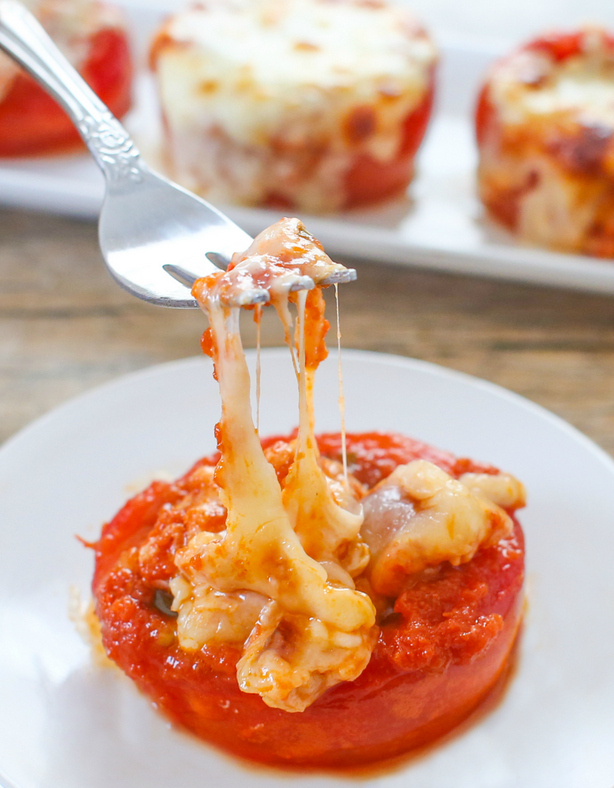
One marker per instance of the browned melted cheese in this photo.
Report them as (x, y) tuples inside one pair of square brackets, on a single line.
[(307, 629), (279, 579)]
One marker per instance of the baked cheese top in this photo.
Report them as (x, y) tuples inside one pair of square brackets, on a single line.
[(255, 67), (533, 85)]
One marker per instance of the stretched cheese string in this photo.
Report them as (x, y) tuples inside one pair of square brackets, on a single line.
[(285, 316), (258, 319), (282, 308), (305, 438), (344, 452), (259, 550), (324, 525)]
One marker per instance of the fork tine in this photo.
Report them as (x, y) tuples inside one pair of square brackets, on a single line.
[(340, 277), (302, 283), (247, 297), (260, 296), (180, 274), (252, 297), (218, 259)]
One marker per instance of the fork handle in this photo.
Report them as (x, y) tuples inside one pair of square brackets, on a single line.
[(24, 40)]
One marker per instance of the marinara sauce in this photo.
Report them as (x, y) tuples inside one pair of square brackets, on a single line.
[(443, 642)]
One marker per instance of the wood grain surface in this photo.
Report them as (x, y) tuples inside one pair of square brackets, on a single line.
[(65, 327)]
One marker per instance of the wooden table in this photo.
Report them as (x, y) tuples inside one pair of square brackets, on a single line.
[(65, 327)]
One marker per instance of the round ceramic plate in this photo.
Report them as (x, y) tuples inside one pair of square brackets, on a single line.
[(65, 723)]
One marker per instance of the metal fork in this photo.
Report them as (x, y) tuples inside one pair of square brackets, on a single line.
[(156, 238)]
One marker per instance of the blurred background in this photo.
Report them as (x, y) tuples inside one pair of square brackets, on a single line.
[(507, 21), (66, 327)]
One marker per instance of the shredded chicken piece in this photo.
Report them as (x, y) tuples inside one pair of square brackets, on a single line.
[(420, 516), (272, 260), (289, 244)]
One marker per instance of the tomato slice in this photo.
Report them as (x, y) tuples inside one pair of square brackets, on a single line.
[(31, 122), (438, 655)]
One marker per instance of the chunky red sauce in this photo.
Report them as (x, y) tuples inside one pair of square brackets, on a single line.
[(440, 650)]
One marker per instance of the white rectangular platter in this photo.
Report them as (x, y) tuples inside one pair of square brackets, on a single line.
[(439, 225)]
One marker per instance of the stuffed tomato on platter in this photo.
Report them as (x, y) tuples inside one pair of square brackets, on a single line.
[(545, 132), (300, 104)]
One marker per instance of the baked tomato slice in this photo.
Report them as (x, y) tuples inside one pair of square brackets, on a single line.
[(441, 650), (32, 123)]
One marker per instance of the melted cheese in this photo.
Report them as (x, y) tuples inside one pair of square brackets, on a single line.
[(502, 489), (327, 520), (278, 581), (278, 543), (290, 661), (531, 85), (559, 210), (226, 97), (420, 516)]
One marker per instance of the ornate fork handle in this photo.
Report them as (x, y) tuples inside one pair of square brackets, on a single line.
[(23, 39), (112, 147)]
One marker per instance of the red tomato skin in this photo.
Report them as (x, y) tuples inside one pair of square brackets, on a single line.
[(371, 181), (32, 123), (391, 708), (559, 46)]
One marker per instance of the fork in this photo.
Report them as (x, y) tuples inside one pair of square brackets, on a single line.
[(156, 238)]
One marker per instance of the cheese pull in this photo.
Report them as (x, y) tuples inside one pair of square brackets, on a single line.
[(278, 580), (420, 516)]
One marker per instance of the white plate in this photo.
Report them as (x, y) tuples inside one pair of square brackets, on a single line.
[(66, 724), (441, 227)]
